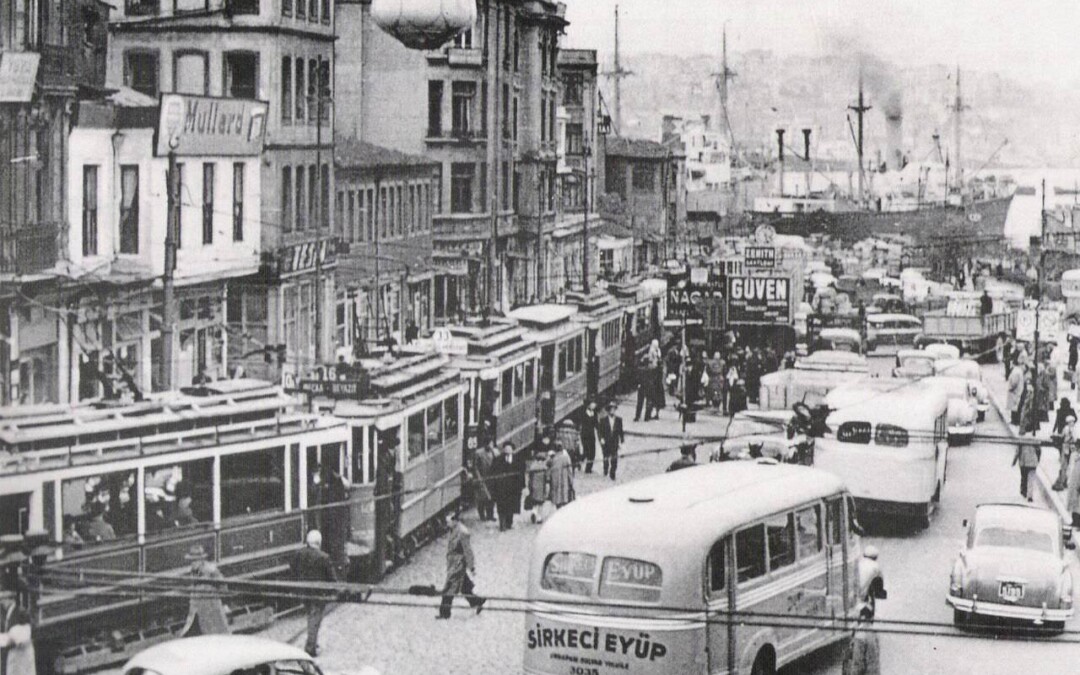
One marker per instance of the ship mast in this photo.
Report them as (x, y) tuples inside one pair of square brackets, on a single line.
[(958, 108), (722, 78), (618, 74), (860, 109)]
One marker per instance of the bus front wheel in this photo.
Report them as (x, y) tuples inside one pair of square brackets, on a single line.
[(765, 663)]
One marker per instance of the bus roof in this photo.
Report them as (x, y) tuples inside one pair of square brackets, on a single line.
[(904, 403), (683, 510)]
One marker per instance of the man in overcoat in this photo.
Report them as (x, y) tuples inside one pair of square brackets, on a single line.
[(611, 436), (311, 564), (460, 565)]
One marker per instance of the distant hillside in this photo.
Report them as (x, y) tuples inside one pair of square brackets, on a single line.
[(1040, 122)]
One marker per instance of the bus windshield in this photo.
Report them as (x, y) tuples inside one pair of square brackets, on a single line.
[(631, 580), (570, 573)]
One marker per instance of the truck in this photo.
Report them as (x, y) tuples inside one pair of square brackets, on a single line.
[(973, 334)]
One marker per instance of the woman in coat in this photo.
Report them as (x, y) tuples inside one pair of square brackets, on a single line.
[(715, 370), (560, 477), (506, 484), (1015, 395), (537, 480)]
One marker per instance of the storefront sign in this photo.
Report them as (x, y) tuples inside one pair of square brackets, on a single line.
[(18, 73), (1049, 325), (758, 300), (302, 257), (760, 256), (690, 301), (194, 126)]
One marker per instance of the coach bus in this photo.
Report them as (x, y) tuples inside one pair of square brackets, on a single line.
[(764, 568), (888, 441)]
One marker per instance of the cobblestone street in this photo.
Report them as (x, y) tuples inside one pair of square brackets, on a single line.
[(408, 639)]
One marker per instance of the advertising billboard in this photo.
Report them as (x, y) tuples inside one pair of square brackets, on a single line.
[(758, 300), (200, 126), (760, 256)]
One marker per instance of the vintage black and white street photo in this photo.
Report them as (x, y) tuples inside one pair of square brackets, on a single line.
[(548, 337)]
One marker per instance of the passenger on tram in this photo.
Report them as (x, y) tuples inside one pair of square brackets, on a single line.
[(96, 529)]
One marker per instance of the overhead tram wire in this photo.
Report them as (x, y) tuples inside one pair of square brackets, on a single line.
[(166, 587)]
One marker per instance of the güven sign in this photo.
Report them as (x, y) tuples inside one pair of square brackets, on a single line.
[(759, 300), (194, 126)]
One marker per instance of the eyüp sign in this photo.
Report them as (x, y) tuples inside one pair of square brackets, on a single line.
[(199, 126), (759, 300)]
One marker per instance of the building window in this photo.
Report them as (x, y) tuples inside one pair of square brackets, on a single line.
[(506, 111), (208, 203), (369, 215), (515, 134), (286, 199), (325, 93), (141, 72), (435, 96), (312, 196), (129, 209), (551, 118), (190, 73), (301, 9), (286, 7), (238, 202), (506, 185), (464, 94), (312, 89), (241, 76), (90, 211), (301, 211), (644, 177), (464, 39), (482, 188), (324, 195), (543, 118), (574, 139), (383, 217), (286, 90), (313, 10), (351, 229), (462, 175), (573, 84), (301, 98), (326, 12)]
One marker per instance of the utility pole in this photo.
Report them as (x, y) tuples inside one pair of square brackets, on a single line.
[(860, 109), (586, 151), (168, 299), (1035, 410), (723, 120), (494, 145)]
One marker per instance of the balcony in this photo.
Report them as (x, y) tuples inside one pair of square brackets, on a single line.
[(456, 136), (57, 67), (471, 226), (28, 249)]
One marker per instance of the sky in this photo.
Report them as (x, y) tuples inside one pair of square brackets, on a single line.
[(1027, 39)]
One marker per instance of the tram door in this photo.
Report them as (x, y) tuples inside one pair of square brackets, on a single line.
[(15, 513)]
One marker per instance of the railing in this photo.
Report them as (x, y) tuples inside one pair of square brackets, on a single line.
[(28, 249)]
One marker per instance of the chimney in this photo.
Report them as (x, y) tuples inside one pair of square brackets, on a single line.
[(894, 130)]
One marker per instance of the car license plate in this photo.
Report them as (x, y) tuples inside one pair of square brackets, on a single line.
[(1011, 591)]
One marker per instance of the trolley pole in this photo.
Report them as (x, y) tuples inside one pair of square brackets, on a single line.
[(168, 298)]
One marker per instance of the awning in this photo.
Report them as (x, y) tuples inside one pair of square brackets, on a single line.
[(612, 243)]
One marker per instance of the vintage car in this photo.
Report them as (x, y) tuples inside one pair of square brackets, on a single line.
[(968, 370), (775, 434), (914, 363), (839, 339), (222, 655), (962, 414), (1013, 566), (941, 350)]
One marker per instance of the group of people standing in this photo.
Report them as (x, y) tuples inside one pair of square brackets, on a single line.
[(500, 479)]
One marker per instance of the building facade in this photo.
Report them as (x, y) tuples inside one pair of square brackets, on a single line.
[(384, 205), (483, 108), (281, 52), (50, 55)]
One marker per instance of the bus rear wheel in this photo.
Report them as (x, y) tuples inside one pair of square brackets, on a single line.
[(765, 663)]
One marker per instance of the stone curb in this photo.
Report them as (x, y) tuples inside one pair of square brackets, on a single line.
[(1041, 479)]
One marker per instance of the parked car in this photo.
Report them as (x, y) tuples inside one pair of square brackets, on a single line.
[(967, 370), (1013, 566), (221, 655), (765, 433), (891, 330)]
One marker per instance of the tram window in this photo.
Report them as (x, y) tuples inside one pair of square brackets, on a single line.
[(507, 387), (434, 426), (253, 482), (519, 382), (808, 531), (834, 511), (179, 495), (750, 552), (294, 470), (577, 353), (450, 418), (717, 567), (563, 361), (530, 376), (781, 531), (416, 435), (98, 509)]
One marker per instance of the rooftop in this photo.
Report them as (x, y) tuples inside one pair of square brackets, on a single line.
[(636, 147), (352, 153)]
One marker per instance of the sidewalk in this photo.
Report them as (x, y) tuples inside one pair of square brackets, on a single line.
[(1050, 459), (709, 423)]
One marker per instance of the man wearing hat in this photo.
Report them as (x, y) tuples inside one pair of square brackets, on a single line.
[(611, 437), (685, 460), (16, 643), (311, 564), (460, 564), (207, 614)]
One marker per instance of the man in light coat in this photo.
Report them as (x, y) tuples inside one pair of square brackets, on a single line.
[(460, 564), (1014, 398), (560, 473)]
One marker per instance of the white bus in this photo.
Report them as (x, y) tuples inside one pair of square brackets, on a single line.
[(738, 567), (888, 441)]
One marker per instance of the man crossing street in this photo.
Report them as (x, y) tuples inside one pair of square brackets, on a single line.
[(311, 564), (611, 437), (460, 564)]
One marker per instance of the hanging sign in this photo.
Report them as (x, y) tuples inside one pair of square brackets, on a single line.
[(760, 256), (758, 300), (18, 73), (194, 126)]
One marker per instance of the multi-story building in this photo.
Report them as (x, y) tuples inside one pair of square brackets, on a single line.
[(483, 107), (384, 213), (49, 53), (643, 192), (279, 51), (118, 209)]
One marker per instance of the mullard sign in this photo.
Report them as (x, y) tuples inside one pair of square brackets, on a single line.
[(199, 126)]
